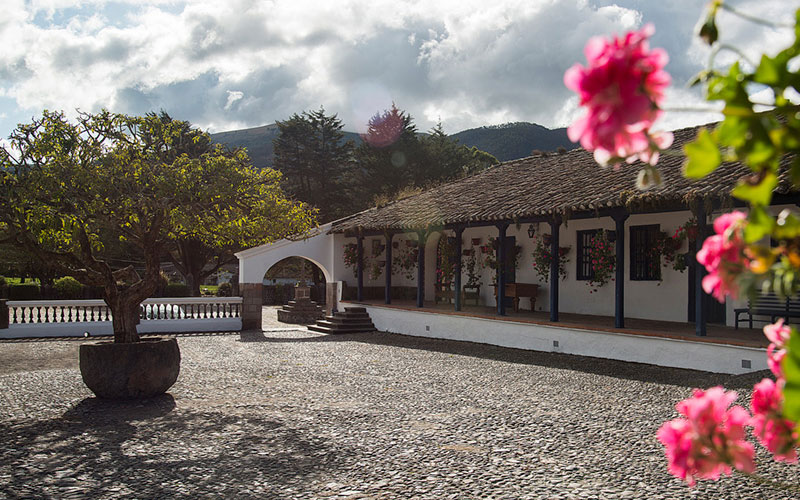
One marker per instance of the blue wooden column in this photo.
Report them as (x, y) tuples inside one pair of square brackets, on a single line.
[(700, 313), (555, 224), (501, 268), (388, 268), (619, 286), (421, 269), (360, 268), (457, 275)]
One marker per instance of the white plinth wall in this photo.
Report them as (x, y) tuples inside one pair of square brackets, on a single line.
[(677, 353)]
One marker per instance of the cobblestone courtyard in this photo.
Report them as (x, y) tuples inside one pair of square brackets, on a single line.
[(292, 414)]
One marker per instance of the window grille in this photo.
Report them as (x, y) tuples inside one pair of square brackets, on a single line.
[(645, 262)]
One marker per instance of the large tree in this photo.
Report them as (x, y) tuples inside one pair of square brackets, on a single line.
[(316, 161), (67, 187), (390, 158)]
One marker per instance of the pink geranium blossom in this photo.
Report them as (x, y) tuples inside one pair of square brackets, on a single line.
[(723, 256), (778, 335), (709, 439), (776, 433), (622, 88)]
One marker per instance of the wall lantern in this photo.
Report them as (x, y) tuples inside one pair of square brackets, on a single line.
[(531, 231)]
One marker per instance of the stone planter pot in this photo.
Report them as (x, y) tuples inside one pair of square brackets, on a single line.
[(130, 371)]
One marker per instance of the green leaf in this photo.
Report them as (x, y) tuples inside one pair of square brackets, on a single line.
[(758, 194), (703, 156), (759, 224), (769, 71), (791, 370), (787, 227)]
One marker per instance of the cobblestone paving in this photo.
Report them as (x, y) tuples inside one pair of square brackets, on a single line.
[(291, 414)]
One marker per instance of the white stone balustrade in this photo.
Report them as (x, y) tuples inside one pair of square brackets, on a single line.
[(65, 318)]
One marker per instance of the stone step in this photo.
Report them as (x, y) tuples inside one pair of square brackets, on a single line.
[(351, 320), (344, 321), (331, 324), (351, 315), (324, 329)]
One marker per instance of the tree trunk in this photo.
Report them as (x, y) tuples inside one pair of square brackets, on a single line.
[(125, 317)]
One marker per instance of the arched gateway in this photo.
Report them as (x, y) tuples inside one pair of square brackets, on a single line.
[(317, 247)]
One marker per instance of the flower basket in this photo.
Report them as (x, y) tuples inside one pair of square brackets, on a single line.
[(476, 241), (484, 249)]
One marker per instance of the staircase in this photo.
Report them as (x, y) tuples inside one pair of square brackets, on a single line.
[(352, 320)]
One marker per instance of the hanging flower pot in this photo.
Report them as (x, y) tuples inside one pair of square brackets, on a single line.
[(467, 252), (484, 249), (476, 241)]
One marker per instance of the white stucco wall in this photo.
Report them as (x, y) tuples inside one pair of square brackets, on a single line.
[(678, 353), (318, 247)]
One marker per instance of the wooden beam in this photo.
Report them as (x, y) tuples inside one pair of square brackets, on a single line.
[(388, 268), (423, 236), (457, 275), (501, 269), (360, 268), (619, 286), (555, 224), (700, 313)]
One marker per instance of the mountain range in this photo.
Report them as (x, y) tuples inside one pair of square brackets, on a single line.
[(506, 142)]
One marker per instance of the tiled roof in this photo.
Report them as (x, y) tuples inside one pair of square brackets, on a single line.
[(547, 185)]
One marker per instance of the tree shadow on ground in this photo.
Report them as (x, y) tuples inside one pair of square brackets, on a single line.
[(599, 366), (151, 449)]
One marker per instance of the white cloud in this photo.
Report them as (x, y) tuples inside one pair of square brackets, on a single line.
[(468, 63)]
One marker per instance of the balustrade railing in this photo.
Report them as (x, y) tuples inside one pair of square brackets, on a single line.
[(70, 311)]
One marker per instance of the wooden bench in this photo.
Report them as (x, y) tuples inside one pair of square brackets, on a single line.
[(769, 305), (517, 290), (443, 293)]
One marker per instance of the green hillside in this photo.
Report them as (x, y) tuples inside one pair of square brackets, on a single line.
[(515, 140), (258, 142), (505, 142)]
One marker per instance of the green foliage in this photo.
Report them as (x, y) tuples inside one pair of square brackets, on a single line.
[(3, 281), (68, 287), (791, 369), (316, 161), (69, 191), (225, 290), (177, 290), (542, 258), (25, 291), (760, 140)]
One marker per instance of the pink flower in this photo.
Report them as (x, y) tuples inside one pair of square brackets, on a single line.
[(774, 432), (709, 439), (622, 88), (778, 334), (723, 256)]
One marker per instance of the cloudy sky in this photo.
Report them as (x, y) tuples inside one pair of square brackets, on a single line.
[(234, 64)]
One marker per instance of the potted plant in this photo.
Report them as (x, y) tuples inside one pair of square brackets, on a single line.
[(604, 260), (150, 181), (542, 258), (472, 289)]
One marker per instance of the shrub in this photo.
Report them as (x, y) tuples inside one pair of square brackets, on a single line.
[(225, 290), (26, 291), (176, 290), (68, 288)]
